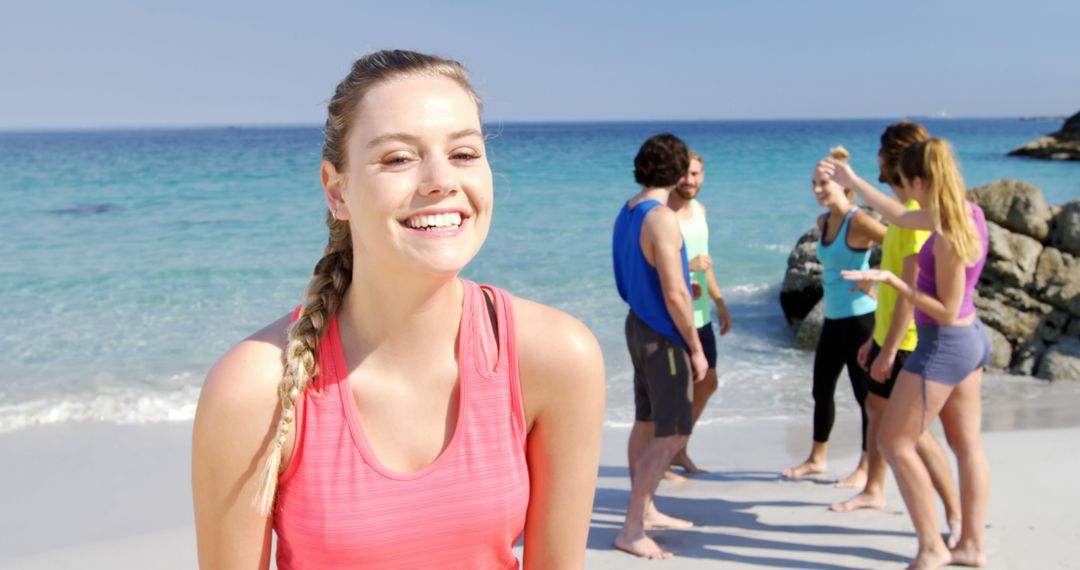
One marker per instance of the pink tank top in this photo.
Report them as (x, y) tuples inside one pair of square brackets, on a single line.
[(339, 507)]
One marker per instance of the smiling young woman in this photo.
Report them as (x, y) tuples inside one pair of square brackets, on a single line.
[(402, 416)]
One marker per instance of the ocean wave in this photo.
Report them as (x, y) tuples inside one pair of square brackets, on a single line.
[(784, 248), (125, 407)]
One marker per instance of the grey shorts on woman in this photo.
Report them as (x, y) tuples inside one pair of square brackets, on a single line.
[(948, 354)]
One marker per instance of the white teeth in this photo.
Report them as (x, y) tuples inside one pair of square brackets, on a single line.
[(436, 221)]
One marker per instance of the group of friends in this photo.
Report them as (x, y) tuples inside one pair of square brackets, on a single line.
[(402, 416), (906, 332)]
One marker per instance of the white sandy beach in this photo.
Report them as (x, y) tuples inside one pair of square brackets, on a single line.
[(105, 496)]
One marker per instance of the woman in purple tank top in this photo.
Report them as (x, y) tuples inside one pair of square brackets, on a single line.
[(943, 375)]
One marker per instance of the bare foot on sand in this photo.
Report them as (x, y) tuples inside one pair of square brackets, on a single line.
[(672, 477), (931, 560), (863, 500), (656, 519), (954, 534), (967, 556), (804, 469), (856, 480), (683, 460), (642, 546)]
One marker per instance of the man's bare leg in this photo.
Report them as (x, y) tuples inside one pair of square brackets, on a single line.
[(647, 472), (702, 392)]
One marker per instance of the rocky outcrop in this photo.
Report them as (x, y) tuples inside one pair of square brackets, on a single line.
[(1065, 228), (808, 330), (1012, 256), (1061, 361), (801, 289), (1028, 295), (1016, 206), (1061, 145)]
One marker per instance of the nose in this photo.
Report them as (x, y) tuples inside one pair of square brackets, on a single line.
[(439, 178)]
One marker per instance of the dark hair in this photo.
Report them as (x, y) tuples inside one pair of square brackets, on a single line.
[(894, 140), (661, 161)]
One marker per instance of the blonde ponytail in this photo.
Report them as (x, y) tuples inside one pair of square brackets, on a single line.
[(934, 162)]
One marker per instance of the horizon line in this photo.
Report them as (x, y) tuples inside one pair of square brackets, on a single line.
[(281, 125)]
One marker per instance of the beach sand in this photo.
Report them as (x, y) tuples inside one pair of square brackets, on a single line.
[(106, 496)]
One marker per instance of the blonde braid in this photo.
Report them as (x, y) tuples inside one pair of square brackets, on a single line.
[(323, 297)]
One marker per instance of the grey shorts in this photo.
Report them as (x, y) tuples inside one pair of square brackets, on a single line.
[(663, 390), (948, 354)]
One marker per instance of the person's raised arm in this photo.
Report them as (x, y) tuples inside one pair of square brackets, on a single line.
[(562, 378), (893, 211), (664, 234), (866, 228), (236, 419)]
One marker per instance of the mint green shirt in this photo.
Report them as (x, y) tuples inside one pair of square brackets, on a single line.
[(695, 232)]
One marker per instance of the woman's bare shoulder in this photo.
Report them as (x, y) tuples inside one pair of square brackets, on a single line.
[(551, 338), (558, 359), (246, 375)]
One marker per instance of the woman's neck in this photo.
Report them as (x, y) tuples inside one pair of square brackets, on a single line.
[(838, 210), (401, 311)]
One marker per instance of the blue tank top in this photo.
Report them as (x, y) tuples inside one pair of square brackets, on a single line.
[(638, 282), (840, 303)]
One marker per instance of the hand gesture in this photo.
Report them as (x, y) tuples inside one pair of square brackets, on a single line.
[(865, 279), (701, 262), (700, 365), (882, 367), (864, 354), (838, 171)]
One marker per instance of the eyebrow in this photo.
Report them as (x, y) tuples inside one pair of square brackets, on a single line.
[(413, 138)]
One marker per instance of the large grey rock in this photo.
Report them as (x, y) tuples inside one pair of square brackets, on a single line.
[(1073, 329), (1052, 327), (1057, 280), (1016, 206), (1000, 349), (1012, 256), (1065, 228), (801, 289), (1060, 145), (1011, 311), (1061, 362), (809, 330), (1026, 357)]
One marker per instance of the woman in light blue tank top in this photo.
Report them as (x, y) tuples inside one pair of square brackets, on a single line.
[(846, 236)]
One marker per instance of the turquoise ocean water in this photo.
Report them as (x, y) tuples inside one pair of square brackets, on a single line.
[(130, 260)]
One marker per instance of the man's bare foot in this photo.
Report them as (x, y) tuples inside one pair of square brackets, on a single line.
[(805, 468), (683, 460), (856, 480), (863, 500), (931, 560), (656, 519), (642, 546), (672, 477), (968, 556), (954, 534)]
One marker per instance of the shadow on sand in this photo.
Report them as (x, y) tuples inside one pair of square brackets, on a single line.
[(712, 515)]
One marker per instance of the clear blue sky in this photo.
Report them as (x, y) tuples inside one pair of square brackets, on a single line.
[(121, 63)]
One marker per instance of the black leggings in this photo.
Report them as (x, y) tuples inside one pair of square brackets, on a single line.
[(839, 346)]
